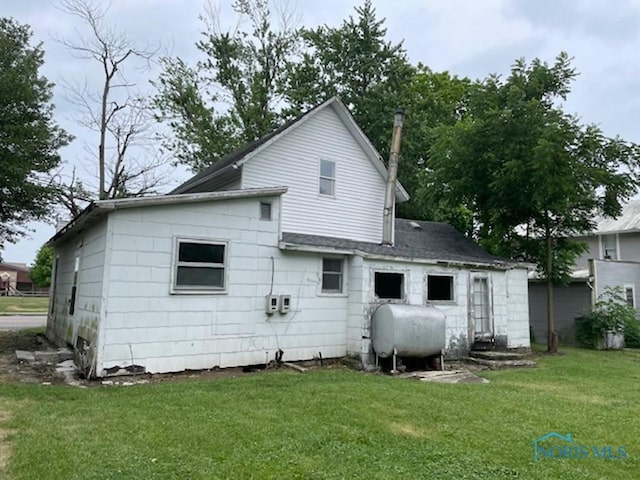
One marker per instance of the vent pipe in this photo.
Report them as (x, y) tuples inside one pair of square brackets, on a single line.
[(392, 173)]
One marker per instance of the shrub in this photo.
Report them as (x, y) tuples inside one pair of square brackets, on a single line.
[(611, 313)]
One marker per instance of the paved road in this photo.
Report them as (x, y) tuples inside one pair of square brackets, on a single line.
[(16, 322)]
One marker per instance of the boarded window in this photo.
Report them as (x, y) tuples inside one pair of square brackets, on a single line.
[(332, 275), (327, 177), (265, 211), (200, 265), (389, 285), (440, 287)]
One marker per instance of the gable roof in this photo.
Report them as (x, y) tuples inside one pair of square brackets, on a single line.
[(628, 221), (238, 157), (414, 240)]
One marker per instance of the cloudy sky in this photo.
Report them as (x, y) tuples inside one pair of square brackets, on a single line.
[(467, 37)]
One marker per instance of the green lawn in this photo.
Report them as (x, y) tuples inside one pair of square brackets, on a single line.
[(19, 304), (331, 423)]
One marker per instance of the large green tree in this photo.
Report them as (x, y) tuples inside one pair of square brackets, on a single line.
[(358, 63), (40, 271), (29, 137), (532, 175), (233, 95)]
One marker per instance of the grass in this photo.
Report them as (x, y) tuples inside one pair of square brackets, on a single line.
[(331, 423), (19, 305)]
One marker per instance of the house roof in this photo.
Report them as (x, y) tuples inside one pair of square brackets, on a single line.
[(627, 221), (22, 271), (99, 209), (237, 158), (432, 242)]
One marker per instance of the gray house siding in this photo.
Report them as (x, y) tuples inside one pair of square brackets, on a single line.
[(569, 303)]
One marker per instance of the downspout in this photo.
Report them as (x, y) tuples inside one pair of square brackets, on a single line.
[(392, 173)]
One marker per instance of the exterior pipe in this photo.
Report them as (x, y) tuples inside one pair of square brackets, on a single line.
[(390, 194)]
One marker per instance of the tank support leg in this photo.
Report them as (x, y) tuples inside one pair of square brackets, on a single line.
[(395, 353), (441, 360)]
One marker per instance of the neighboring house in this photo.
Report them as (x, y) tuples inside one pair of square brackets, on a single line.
[(275, 251), (612, 260), (15, 279)]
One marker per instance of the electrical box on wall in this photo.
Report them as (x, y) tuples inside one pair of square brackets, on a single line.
[(285, 303), (272, 304)]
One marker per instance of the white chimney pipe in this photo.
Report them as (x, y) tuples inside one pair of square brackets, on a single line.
[(392, 173)]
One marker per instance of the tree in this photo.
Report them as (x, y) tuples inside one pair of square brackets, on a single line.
[(29, 138), (231, 97), (433, 100), (41, 270), (119, 115), (356, 62), (532, 175)]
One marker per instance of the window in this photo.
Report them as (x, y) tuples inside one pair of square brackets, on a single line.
[(389, 285), (609, 247), (440, 287), (200, 265), (327, 177), (332, 275), (265, 211), (629, 295), (74, 286)]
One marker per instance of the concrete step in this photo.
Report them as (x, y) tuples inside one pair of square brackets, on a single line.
[(495, 355), (498, 364)]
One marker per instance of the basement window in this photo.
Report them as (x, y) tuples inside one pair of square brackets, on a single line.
[(440, 287), (389, 285), (200, 266)]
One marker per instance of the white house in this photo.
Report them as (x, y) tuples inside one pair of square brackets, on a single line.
[(273, 251), (612, 259)]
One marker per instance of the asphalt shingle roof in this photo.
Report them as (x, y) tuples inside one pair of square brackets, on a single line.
[(413, 240)]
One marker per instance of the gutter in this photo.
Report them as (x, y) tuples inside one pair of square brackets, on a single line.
[(100, 208), (423, 261)]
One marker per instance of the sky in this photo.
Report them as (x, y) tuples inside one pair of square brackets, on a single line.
[(472, 38)]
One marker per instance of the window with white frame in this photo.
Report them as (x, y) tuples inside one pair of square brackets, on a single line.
[(610, 247), (200, 265), (327, 185), (629, 295), (332, 275)]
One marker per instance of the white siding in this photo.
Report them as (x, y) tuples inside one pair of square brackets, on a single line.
[(293, 161), (509, 305), (62, 327), (146, 325)]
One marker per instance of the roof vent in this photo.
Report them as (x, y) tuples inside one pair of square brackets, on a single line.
[(415, 225)]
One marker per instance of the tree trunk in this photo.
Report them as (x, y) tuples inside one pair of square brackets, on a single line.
[(552, 345)]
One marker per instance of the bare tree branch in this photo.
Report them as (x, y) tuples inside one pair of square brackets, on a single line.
[(114, 112)]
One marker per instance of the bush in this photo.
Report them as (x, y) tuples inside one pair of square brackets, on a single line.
[(611, 313)]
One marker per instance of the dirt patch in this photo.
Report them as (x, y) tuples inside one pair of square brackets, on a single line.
[(39, 373), (21, 340)]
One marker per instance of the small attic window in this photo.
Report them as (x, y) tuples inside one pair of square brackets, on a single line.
[(265, 211)]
